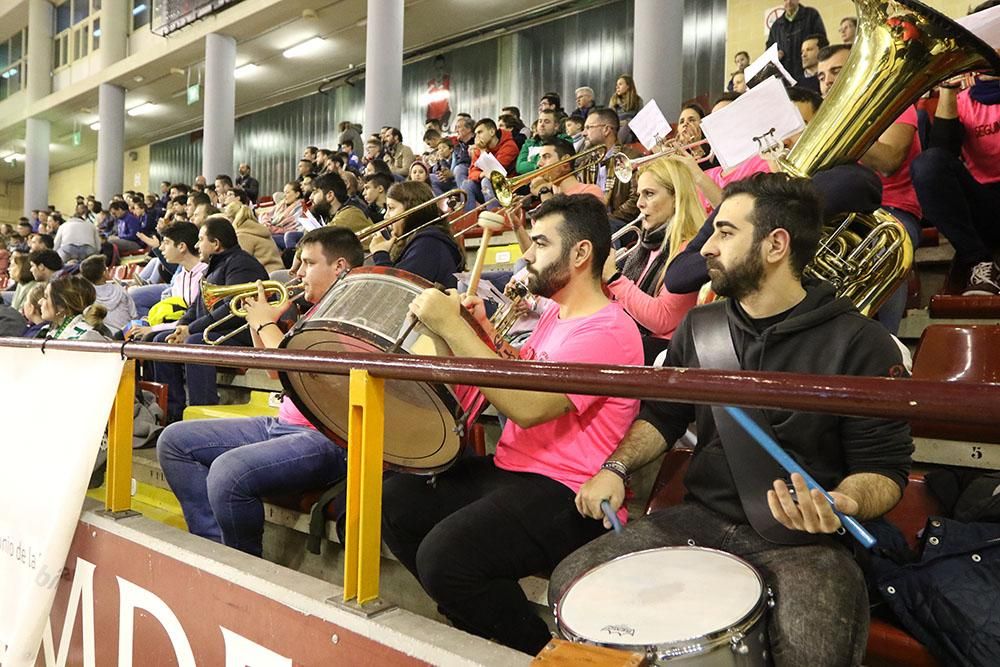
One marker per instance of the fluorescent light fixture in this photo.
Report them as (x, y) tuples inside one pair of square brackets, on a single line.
[(9, 73), (246, 70), (13, 157), (96, 125), (145, 107), (305, 48), (138, 9)]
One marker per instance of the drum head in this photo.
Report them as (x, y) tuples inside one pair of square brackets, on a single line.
[(660, 597), (365, 313)]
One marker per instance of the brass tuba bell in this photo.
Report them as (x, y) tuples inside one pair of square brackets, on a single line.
[(901, 50)]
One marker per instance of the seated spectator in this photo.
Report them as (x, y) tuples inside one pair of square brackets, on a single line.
[(45, 264), (126, 228), (23, 232), (332, 206), (673, 216), (742, 59), (349, 133), (957, 178), (306, 170), (69, 309), (24, 279), (560, 180), (76, 239), (689, 131), (284, 217), (574, 130), (32, 311), (116, 301), (465, 138), (546, 127), (12, 323), (420, 174), (353, 161), (374, 190), (228, 264), (442, 174), (738, 83), (373, 151), (811, 47), (848, 29), (626, 101), (378, 167), (398, 155), (584, 102), (513, 125), (40, 241), (503, 147), (430, 253), (179, 247), (602, 129), (252, 236), (220, 488), (431, 139)]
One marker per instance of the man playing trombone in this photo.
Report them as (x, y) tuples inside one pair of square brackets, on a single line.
[(601, 129), (220, 469)]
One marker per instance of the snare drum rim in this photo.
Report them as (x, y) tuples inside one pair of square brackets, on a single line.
[(678, 647)]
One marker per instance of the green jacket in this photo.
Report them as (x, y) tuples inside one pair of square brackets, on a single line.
[(526, 164)]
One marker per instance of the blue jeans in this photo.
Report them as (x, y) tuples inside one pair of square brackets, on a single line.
[(820, 616), (478, 192), (220, 469), (891, 313), (75, 251), (151, 272), (198, 379)]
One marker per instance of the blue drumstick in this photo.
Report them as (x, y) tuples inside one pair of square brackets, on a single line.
[(866, 539), (611, 516)]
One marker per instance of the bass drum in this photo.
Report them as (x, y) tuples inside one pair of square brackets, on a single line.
[(366, 311)]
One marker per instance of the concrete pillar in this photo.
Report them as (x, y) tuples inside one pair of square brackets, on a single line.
[(38, 84), (110, 141), (384, 65), (658, 53), (115, 15), (220, 106)]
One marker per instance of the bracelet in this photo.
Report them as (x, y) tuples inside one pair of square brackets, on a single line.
[(265, 325), (618, 468)]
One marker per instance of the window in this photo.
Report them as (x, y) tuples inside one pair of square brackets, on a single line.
[(12, 64), (140, 13), (77, 31)]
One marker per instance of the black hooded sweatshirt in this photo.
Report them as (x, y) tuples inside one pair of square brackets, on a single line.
[(823, 335)]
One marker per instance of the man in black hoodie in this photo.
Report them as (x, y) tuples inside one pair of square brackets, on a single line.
[(228, 264), (767, 229)]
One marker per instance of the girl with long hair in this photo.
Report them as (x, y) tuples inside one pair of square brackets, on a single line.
[(430, 253), (625, 101), (70, 309), (672, 217)]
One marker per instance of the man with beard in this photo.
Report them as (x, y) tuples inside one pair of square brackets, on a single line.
[(767, 229), (331, 204), (488, 521)]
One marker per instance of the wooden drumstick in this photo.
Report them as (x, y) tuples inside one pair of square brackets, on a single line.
[(490, 222)]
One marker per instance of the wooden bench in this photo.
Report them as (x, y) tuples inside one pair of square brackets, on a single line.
[(887, 644)]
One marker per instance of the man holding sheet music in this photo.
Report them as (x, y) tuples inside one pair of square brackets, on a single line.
[(738, 499)]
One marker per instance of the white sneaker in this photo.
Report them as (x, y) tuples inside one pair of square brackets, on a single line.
[(984, 280)]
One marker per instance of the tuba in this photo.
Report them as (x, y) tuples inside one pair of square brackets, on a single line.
[(902, 49)]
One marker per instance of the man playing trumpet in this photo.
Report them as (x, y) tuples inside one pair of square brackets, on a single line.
[(219, 469)]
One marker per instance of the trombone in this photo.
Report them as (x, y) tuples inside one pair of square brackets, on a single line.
[(456, 198), (237, 294), (633, 227), (625, 167)]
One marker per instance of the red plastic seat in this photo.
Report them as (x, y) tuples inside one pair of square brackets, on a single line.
[(159, 390), (887, 644)]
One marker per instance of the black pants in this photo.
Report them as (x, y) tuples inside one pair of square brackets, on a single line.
[(472, 533), (963, 209)]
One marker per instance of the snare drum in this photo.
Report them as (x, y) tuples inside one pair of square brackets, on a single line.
[(366, 311), (700, 606)]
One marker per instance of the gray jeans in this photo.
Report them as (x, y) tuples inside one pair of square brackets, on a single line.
[(820, 615)]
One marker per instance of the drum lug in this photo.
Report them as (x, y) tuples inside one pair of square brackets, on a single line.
[(770, 598), (736, 643)]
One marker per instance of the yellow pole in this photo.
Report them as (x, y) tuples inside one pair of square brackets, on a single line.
[(363, 535), (119, 488)]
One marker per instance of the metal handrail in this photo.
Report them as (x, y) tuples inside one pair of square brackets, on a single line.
[(894, 398)]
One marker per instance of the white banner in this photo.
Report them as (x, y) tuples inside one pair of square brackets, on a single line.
[(59, 406)]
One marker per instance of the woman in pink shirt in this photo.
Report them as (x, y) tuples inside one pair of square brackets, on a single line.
[(672, 216)]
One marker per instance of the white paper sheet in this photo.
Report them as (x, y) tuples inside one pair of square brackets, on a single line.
[(488, 163), (769, 56), (309, 222), (650, 125), (985, 25), (766, 107), (43, 480)]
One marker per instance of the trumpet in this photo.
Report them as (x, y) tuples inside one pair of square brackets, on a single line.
[(625, 167), (237, 295), (633, 227)]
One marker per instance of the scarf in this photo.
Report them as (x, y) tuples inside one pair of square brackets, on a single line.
[(649, 241), (986, 92)]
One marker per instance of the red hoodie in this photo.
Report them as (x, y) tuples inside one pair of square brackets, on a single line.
[(506, 152)]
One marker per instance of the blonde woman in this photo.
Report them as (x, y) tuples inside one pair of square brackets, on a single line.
[(672, 217)]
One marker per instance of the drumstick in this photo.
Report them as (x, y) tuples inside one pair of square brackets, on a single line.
[(490, 222), (866, 539), (409, 327), (611, 516)]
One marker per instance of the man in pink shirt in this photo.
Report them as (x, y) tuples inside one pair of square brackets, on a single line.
[(219, 469), (957, 178), (559, 181), (488, 521)]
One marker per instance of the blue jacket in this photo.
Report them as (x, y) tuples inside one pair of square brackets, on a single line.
[(229, 267), (430, 254), (127, 226)]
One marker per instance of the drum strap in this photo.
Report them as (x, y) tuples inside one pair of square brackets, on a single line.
[(752, 469)]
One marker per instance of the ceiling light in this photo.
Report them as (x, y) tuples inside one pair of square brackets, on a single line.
[(145, 107), (139, 9), (305, 48), (13, 157), (246, 70), (96, 125)]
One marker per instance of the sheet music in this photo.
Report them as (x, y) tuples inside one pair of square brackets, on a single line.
[(985, 25), (769, 56), (488, 163), (761, 111), (650, 125), (309, 222)]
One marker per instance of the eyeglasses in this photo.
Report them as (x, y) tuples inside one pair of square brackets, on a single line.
[(591, 127)]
